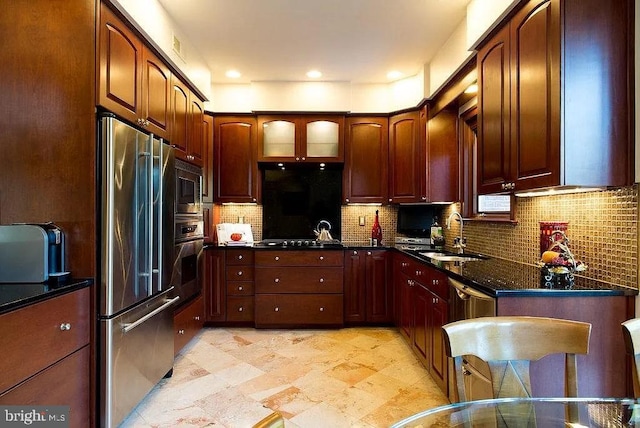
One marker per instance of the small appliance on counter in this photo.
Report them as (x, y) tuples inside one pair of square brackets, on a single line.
[(32, 253), (234, 234)]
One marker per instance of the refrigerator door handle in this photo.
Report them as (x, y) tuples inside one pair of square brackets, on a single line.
[(130, 326)]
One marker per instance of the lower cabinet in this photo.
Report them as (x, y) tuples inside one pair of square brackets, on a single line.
[(239, 283), (368, 291), (423, 309), (187, 322), (215, 289), (299, 310)]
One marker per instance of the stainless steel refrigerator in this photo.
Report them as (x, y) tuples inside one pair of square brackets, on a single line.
[(136, 181)]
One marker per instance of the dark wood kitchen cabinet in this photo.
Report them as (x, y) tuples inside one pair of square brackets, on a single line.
[(235, 169), (407, 162), (133, 82), (368, 291), (187, 118), (301, 138), (299, 288), (442, 178), (187, 322), (553, 97), (366, 170), (207, 159), (423, 301), (46, 355), (215, 289), (240, 285)]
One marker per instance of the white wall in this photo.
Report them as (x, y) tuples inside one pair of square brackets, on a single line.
[(448, 59), (482, 15), (155, 22)]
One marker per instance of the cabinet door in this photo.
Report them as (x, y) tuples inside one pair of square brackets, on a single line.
[(493, 114), (354, 286), (321, 139), (235, 169), (215, 286), (195, 143), (156, 91), (438, 363), (179, 117), (277, 138), (442, 157), (207, 159), (379, 293), (421, 330), (406, 159), (120, 66), (535, 96), (366, 172)]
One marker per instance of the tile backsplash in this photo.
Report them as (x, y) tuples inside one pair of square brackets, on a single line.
[(602, 230)]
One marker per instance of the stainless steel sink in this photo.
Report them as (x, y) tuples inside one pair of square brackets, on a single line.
[(443, 257)]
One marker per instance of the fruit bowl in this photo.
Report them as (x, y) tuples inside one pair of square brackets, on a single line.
[(558, 264)]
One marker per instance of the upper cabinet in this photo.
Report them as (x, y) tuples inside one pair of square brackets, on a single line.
[(553, 104), (135, 84), (306, 138), (365, 177), (442, 184), (234, 166), (407, 163)]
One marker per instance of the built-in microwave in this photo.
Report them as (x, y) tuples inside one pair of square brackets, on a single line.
[(188, 188)]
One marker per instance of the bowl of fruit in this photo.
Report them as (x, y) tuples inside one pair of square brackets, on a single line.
[(558, 264)]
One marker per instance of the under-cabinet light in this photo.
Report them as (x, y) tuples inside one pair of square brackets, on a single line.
[(557, 191)]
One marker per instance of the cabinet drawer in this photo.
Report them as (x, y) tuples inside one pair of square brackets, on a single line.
[(299, 280), (299, 309), (187, 323), (240, 288), (240, 308), (239, 273), (438, 284), (65, 383), (34, 337), (239, 257), (299, 258)]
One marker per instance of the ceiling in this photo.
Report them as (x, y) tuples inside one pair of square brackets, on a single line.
[(356, 41)]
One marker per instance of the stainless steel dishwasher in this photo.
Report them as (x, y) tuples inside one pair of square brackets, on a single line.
[(468, 303)]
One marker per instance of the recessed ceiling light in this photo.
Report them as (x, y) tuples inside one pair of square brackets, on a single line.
[(314, 74), (233, 74), (393, 75)]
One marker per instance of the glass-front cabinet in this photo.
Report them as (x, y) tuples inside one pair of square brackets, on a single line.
[(306, 138)]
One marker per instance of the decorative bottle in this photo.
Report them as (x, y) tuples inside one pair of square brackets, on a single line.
[(376, 232)]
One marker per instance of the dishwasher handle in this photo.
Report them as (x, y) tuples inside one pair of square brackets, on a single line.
[(465, 292)]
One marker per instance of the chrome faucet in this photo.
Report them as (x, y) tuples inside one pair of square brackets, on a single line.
[(459, 241)]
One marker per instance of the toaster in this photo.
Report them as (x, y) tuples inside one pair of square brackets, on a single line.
[(31, 253)]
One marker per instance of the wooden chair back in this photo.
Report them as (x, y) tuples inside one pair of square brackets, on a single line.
[(274, 420), (509, 344), (631, 332)]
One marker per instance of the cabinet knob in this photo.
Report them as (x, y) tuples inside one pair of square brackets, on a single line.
[(303, 158), (355, 253), (276, 280), (254, 199), (277, 309), (240, 309), (368, 253), (180, 331), (65, 326), (405, 264), (321, 257), (197, 318), (346, 200), (276, 258), (240, 257), (424, 198), (321, 309), (297, 158), (239, 273), (240, 288), (321, 280), (390, 200)]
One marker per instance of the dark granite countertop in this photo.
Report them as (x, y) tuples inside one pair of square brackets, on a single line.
[(14, 296), (503, 278)]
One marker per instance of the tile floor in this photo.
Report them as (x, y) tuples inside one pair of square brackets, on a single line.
[(233, 377)]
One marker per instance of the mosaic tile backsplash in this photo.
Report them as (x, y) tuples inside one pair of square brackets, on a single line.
[(602, 230)]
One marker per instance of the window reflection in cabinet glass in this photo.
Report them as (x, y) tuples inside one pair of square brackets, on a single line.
[(279, 138), (322, 139)]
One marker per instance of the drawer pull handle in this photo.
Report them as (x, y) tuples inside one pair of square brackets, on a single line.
[(240, 257), (240, 288), (321, 280), (65, 326), (276, 309), (277, 258), (277, 280), (321, 309), (240, 309), (239, 273)]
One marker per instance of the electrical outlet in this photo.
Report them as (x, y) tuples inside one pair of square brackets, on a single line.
[(241, 219), (361, 221)]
